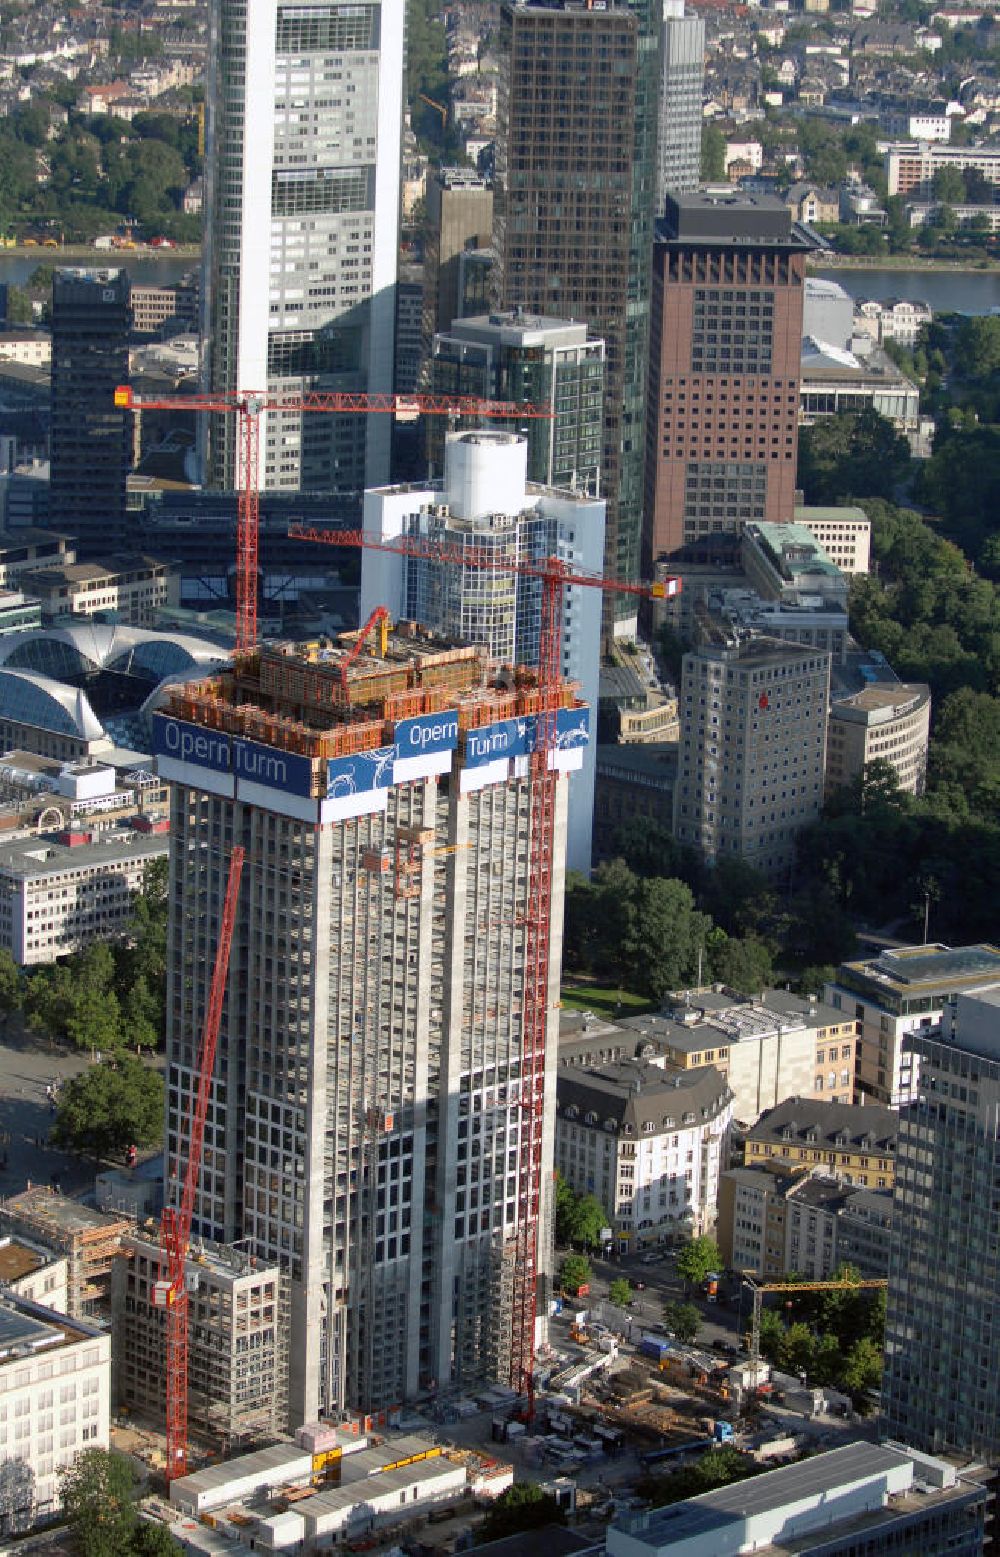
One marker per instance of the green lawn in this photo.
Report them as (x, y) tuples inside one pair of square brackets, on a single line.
[(604, 1002)]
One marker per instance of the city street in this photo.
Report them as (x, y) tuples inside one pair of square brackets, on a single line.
[(721, 1322), (28, 1064)]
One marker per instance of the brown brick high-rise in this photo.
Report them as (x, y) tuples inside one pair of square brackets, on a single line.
[(724, 354)]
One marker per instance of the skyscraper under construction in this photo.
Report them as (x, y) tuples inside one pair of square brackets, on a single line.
[(366, 1118)]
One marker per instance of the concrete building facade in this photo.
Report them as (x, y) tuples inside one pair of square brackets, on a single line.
[(59, 893), (304, 130), (752, 749), (459, 218), (843, 531), (776, 1219), (903, 991), (886, 722), (367, 1107), (237, 1349), (682, 82), (648, 1142), (485, 503), (725, 342), (131, 589), (942, 1350), (55, 1376)]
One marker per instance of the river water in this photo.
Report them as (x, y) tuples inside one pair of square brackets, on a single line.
[(151, 269), (947, 291)]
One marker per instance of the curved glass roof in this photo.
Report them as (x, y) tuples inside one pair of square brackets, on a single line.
[(29, 698), (84, 647)]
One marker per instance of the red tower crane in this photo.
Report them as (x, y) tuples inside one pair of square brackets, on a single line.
[(555, 576), (248, 406), (169, 1291)]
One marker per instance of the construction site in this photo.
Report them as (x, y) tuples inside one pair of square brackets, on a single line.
[(90, 1241), (237, 1349), (388, 1056)]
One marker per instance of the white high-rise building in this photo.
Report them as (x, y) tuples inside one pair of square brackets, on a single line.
[(486, 503), (302, 216), (682, 80)]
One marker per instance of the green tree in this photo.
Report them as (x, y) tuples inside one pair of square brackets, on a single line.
[(10, 983), (772, 1334), (109, 1107), (948, 186), (154, 1540), (683, 1319), (524, 1506), (565, 1208), (863, 1369), (589, 1217), (744, 965), (697, 1258), (574, 1271), (851, 455), (142, 1017), (660, 950), (713, 154), (98, 1494), (620, 1292), (797, 1349), (718, 1468), (95, 1022)]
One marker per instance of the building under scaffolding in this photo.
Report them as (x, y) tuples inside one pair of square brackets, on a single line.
[(90, 1241), (365, 1120), (237, 1341)]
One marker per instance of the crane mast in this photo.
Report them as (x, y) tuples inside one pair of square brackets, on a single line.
[(169, 1291)]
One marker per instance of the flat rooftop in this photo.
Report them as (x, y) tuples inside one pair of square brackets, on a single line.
[(19, 1259), (794, 549), (45, 1209), (45, 856), (820, 1476), (731, 218), (891, 700), (936, 966), (517, 328)]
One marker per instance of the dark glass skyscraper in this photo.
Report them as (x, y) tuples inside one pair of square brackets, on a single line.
[(532, 361), (573, 208), (90, 438)]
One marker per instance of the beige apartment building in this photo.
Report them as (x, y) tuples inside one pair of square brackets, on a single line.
[(903, 990), (856, 1143), (768, 1049), (133, 588), (885, 722), (843, 531)]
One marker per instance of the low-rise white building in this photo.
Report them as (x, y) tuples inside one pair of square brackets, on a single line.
[(18, 343), (863, 1497), (60, 892), (55, 1379), (843, 531), (28, 1270), (648, 1142), (133, 589), (268, 1500), (884, 722)]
